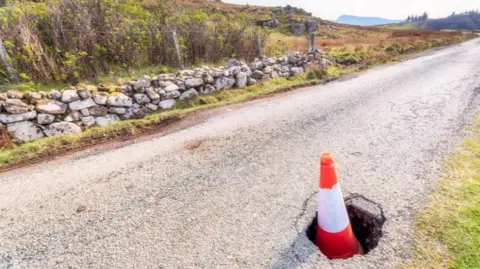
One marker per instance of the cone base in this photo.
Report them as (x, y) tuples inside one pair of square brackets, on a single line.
[(342, 245)]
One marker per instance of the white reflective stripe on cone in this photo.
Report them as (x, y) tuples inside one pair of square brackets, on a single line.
[(332, 214)]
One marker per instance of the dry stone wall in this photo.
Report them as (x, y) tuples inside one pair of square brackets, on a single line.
[(31, 116)]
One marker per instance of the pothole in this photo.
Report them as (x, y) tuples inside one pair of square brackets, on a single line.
[(366, 219)]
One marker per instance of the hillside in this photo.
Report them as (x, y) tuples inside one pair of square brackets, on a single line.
[(464, 21), (364, 21)]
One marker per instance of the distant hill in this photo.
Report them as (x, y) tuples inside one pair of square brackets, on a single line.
[(469, 20), (364, 21)]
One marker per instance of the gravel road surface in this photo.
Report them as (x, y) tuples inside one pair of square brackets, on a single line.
[(244, 197)]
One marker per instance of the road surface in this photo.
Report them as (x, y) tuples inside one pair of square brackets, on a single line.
[(245, 196)]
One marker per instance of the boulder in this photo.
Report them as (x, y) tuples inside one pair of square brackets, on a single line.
[(100, 99), (85, 112), (3, 96), (117, 110), (10, 118), (14, 95), (45, 118), (268, 70), (72, 116), (69, 96), (188, 94), (257, 74), (24, 131), (82, 104), (141, 98), (136, 112), (98, 111), (208, 79), (106, 120), (171, 95), (193, 82), (141, 85), (62, 128), (83, 95), (296, 70), (164, 84), (120, 100), (251, 81), (33, 97), (270, 61), (152, 94), (275, 74), (256, 65), (207, 89), (232, 63), (54, 95), (152, 107), (171, 88), (51, 107), (15, 106), (167, 104), (88, 121), (241, 80)]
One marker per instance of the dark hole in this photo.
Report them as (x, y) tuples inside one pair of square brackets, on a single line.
[(366, 218)]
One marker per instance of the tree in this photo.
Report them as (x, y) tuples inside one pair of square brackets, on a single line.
[(409, 19), (424, 16)]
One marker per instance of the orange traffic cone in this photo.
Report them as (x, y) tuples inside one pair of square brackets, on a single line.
[(335, 237)]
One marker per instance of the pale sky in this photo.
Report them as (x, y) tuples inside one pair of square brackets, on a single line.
[(389, 9)]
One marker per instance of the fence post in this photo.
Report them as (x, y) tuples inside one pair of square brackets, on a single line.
[(312, 45), (177, 49), (259, 46), (7, 63)]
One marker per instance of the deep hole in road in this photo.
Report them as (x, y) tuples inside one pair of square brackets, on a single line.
[(366, 218)]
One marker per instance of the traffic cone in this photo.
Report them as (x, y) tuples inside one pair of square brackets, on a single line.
[(335, 237)]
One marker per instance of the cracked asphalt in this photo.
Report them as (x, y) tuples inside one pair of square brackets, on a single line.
[(245, 196)]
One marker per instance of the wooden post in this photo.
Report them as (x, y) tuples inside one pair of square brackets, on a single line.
[(7, 63), (259, 46), (312, 45), (177, 49)]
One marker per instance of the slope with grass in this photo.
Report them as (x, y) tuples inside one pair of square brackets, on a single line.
[(448, 230)]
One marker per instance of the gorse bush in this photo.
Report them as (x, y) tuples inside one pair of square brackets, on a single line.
[(69, 40)]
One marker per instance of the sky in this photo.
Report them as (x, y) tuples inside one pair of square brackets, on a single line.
[(389, 9)]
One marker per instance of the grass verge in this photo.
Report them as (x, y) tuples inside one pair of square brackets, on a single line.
[(448, 230)]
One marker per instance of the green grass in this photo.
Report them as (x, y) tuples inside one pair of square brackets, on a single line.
[(448, 230)]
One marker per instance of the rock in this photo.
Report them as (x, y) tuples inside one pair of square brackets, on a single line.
[(88, 121), (2, 103), (207, 89), (285, 69), (167, 104), (187, 73), (232, 63), (10, 118), (171, 95), (82, 104), (275, 74), (216, 73), (100, 98), (45, 118), (235, 70), (135, 112), (85, 112), (267, 70), (24, 131), (270, 61), (256, 65), (252, 81), (141, 85), (33, 97), (120, 100), (171, 88), (106, 120), (3, 96), (152, 94), (208, 79), (14, 95), (141, 98), (257, 74), (296, 70), (188, 94), (164, 84), (69, 96), (54, 95), (152, 107), (83, 95), (221, 83), (73, 116), (62, 128), (241, 80), (117, 110), (98, 111), (15, 106), (170, 77), (193, 82), (51, 107), (181, 85)]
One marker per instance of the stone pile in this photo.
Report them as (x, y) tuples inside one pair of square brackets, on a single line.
[(33, 115)]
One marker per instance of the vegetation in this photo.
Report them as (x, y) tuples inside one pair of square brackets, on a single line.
[(448, 230)]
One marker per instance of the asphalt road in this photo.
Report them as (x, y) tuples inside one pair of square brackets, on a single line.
[(244, 197)]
